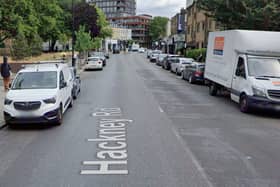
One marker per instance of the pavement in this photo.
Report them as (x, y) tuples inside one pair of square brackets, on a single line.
[(135, 124), (2, 97)]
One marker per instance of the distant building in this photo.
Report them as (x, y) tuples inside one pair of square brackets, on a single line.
[(139, 26), (178, 30), (198, 26), (116, 8), (122, 34)]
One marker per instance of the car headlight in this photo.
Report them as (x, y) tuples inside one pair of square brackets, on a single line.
[(7, 101), (259, 92), (50, 100)]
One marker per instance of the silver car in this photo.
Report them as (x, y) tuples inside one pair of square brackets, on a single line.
[(178, 64)]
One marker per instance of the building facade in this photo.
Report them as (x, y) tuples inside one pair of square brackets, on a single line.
[(178, 30), (116, 8), (139, 26), (198, 26)]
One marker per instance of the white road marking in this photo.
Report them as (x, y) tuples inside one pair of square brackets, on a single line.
[(193, 158), (160, 109)]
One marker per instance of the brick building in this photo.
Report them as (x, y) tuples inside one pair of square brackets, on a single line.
[(198, 26)]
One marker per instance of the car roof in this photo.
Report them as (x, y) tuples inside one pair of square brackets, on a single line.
[(94, 57), (43, 66), (183, 58)]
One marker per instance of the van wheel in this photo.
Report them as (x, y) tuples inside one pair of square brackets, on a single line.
[(244, 104), (213, 90), (59, 116)]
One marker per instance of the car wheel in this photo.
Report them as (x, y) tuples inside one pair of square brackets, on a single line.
[(213, 90), (244, 104), (191, 81), (182, 75)]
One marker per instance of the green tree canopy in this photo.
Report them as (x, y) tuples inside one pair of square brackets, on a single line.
[(104, 28), (157, 28), (244, 14), (84, 41)]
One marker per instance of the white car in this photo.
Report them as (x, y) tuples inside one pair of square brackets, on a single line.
[(178, 64), (40, 93), (141, 50), (94, 63)]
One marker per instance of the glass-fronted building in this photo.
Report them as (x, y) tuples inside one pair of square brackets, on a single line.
[(116, 8)]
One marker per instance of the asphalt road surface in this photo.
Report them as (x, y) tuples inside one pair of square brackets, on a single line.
[(135, 124)]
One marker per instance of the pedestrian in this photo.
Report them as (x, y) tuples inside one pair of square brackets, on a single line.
[(6, 73)]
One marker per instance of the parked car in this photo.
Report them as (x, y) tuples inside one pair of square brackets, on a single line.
[(116, 50), (166, 64), (107, 55), (94, 63), (160, 59), (179, 63), (101, 55), (76, 83), (194, 72), (149, 52), (154, 55), (141, 50), (40, 93)]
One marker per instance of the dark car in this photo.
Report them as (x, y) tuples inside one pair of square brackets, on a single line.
[(166, 64), (116, 50), (194, 72), (76, 84)]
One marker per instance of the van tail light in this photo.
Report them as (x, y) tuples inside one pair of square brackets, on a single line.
[(198, 73)]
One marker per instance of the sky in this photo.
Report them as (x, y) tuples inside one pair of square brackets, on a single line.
[(167, 8)]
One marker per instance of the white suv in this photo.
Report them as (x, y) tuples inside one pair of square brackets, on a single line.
[(40, 93)]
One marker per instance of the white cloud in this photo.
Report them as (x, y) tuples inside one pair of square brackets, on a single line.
[(167, 8)]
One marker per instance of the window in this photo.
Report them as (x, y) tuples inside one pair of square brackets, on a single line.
[(240, 70), (61, 79), (35, 80)]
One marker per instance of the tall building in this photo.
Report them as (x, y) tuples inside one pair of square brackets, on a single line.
[(116, 8)]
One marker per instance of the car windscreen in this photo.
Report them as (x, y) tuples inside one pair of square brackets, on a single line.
[(201, 68), (264, 67), (35, 80), (186, 62)]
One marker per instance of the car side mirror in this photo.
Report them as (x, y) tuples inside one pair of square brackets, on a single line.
[(77, 77), (63, 85)]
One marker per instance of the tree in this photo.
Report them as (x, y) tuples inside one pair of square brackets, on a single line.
[(157, 28), (104, 28), (84, 41), (20, 48), (244, 14), (86, 15), (52, 20), (17, 16)]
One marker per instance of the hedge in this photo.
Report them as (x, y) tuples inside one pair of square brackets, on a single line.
[(197, 54)]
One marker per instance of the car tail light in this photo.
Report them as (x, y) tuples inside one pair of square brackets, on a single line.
[(198, 73)]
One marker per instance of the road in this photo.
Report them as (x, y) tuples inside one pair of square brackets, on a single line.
[(151, 129)]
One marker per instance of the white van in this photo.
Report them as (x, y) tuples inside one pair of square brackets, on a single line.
[(246, 63), (40, 93)]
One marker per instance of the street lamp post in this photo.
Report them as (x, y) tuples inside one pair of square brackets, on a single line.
[(73, 36)]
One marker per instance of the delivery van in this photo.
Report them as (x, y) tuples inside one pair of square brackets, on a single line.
[(247, 64)]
